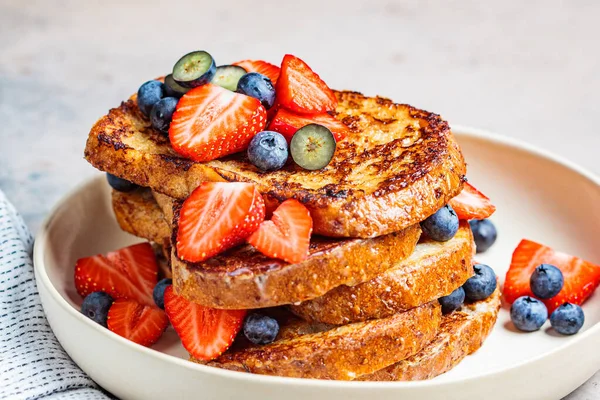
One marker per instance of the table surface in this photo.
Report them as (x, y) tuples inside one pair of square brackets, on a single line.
[(522, 69)]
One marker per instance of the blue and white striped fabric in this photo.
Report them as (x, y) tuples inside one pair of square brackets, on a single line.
[(32, 362)]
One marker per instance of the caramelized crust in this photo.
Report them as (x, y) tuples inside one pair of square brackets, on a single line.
[(398, 165)]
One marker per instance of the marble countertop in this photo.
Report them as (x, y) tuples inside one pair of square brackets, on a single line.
[(523, 69)]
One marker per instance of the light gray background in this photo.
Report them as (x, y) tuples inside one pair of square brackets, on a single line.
[(527, 69)]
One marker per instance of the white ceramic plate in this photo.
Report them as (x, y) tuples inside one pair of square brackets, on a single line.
[(538, 196)]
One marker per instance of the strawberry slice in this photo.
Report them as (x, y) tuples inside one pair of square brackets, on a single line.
[(216, 217), (139, 323), (581, 277), (301, 90), (287, 235), (129, 273), (287, 123), (472, 204), (204, 332), (211, 122), (262, 67)]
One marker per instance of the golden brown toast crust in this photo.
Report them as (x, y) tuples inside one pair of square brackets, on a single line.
[(433, 270), (303, 350), (461, 333), (398, 165)]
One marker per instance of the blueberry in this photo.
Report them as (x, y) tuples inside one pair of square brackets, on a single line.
[(119, 184), (194, 69), (162, 113), (528, 314), (567, 319), (174, 89), (148, 95), (228, 76), (312, 147), (484, 233), (260, 329), (481, 285), (546, 281), (268, 151), (158, 294), (258, 86), (453, 301), (441, 226), (96, 305)]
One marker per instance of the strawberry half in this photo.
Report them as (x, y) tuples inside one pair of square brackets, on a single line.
[(211, 122), (301, 90), (204, 332), (129, 273), (287, 235), (472, 204), (262, 67), (287, 123), (139, 323), (581, 277), (216, 217)]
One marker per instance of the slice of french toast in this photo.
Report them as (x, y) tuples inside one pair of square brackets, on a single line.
[(433, 270), (397, 166), (305, 350), (461, 333)]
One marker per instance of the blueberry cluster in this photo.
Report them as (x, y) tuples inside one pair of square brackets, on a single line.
[(478, 287)]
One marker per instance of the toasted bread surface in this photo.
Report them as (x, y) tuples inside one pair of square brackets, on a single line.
[(305, 350), (398, 165), (433, 270), (461, 333)]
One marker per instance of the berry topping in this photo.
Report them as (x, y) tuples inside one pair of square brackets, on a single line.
[(96, 305), (268, 151), (262, 67), (484, 234), (258, 86), (139, 323), (148, 95), (162, 113), (216, 217), (158, 294), (194, 69), (546, 281), (287, 123), (128, 273), (260, 329), (174, 89), (580, 277), (453, 301), (287, 235), (228, 76), (120, 185), (472, 204), (528, 314), (312, 147), (211, 122), (441, 226), (204, 332), (301, 90), (481, 285), (567, 319)]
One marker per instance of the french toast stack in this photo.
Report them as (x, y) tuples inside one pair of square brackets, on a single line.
[(364, 304)]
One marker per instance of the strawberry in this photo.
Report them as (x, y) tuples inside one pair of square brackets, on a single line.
[(139, 323), (262, 67), (301, 90), (287, 235), (129, 273), (472, 204), (211, 122), (287, 123), (580, 277), (204, 332), (216, 217)]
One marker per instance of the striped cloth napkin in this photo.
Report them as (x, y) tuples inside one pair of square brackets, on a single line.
[(32, 362)]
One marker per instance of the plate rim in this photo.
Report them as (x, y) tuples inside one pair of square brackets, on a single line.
[(459, 130)]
